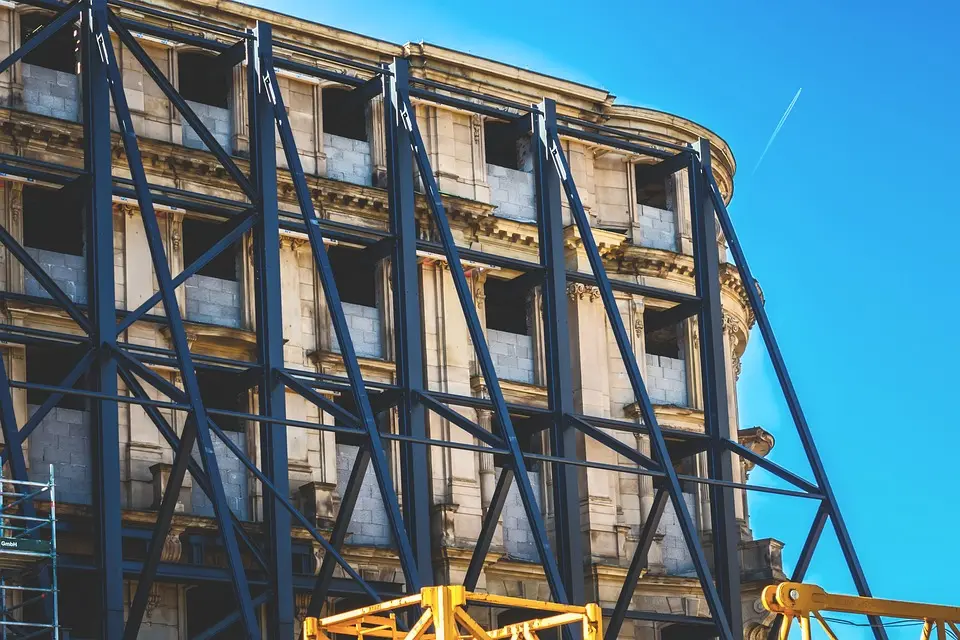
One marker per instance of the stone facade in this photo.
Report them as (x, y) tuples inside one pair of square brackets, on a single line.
[(217, 119), (49, 92), (213, 300), (491, 209), (68, 271)]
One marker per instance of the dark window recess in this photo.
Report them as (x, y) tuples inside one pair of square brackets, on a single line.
[(79, 605), (500, 142), (49, 223), (200, 235), (49, 366), (652, 194), (355, 275), (343, 115), (58, 52), (506, 308), (663, 341), (204, 79), (684, 460), (219, 390), (208, 604)]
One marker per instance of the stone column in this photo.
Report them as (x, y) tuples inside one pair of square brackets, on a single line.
[(680, 193), (12, 217), (457, 512), (375, 135), (731, 339)]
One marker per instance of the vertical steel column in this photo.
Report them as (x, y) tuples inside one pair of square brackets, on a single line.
[(726, 531), (105, 444), (408, 324), (559, 383), (268, 304)]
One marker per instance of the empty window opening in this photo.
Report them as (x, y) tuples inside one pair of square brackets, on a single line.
[(204, 78), (198, 236), (683, 457), (355, 275), (51, 224), (208, 604), (79, 607), (219, 390), (651, 194), (660, 341), (501, 144), (58, 52), (343, 115), (505, 306), (49, 366)]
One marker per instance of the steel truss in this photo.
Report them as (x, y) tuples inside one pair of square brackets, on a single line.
[(104, 355)]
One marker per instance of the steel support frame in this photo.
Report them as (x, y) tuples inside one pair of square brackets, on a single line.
[(104, 355)]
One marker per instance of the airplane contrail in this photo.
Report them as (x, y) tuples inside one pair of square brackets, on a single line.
[(773, 136)]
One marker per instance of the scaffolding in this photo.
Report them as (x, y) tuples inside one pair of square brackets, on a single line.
[(28, 559)]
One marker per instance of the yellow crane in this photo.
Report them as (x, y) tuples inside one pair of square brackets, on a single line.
[(800, 602), (444, 615)]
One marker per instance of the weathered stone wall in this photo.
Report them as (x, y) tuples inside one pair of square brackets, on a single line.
[(63, 439), (49, 92), (233, 474), (518, 540), (348, 160), (658, 227), (68, 271), (369, 523), (667, 380), (513, 192), (364, 325), (676, 556), (217, 119), (213, 300)]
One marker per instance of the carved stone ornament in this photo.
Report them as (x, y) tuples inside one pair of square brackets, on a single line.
[(579, 291)]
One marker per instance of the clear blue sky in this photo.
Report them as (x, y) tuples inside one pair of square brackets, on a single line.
[(846, 223)]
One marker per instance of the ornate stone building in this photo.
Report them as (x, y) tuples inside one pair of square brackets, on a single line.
[(485, 173)]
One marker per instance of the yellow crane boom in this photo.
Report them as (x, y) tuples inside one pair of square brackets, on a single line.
[(798, 601), (444, 617)]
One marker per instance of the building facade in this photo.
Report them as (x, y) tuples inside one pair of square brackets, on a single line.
[(485, 171)]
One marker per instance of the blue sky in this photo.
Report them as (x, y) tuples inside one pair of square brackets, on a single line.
[(846, 223)]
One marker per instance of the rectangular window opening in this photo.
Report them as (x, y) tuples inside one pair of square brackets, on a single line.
[(502, 145), (219, 390), (660, 341), (505, 307), (343, 115), (198, 236), (49, 366), (355, 275), (651, 194), (58, 52), (50, 224)]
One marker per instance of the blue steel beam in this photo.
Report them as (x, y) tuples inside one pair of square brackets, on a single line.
[(658, 444), (196, 428), (408, 323), (101, 307), (401, 113), (716, 414), (269, 305), (411, 564), (556, 328)]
